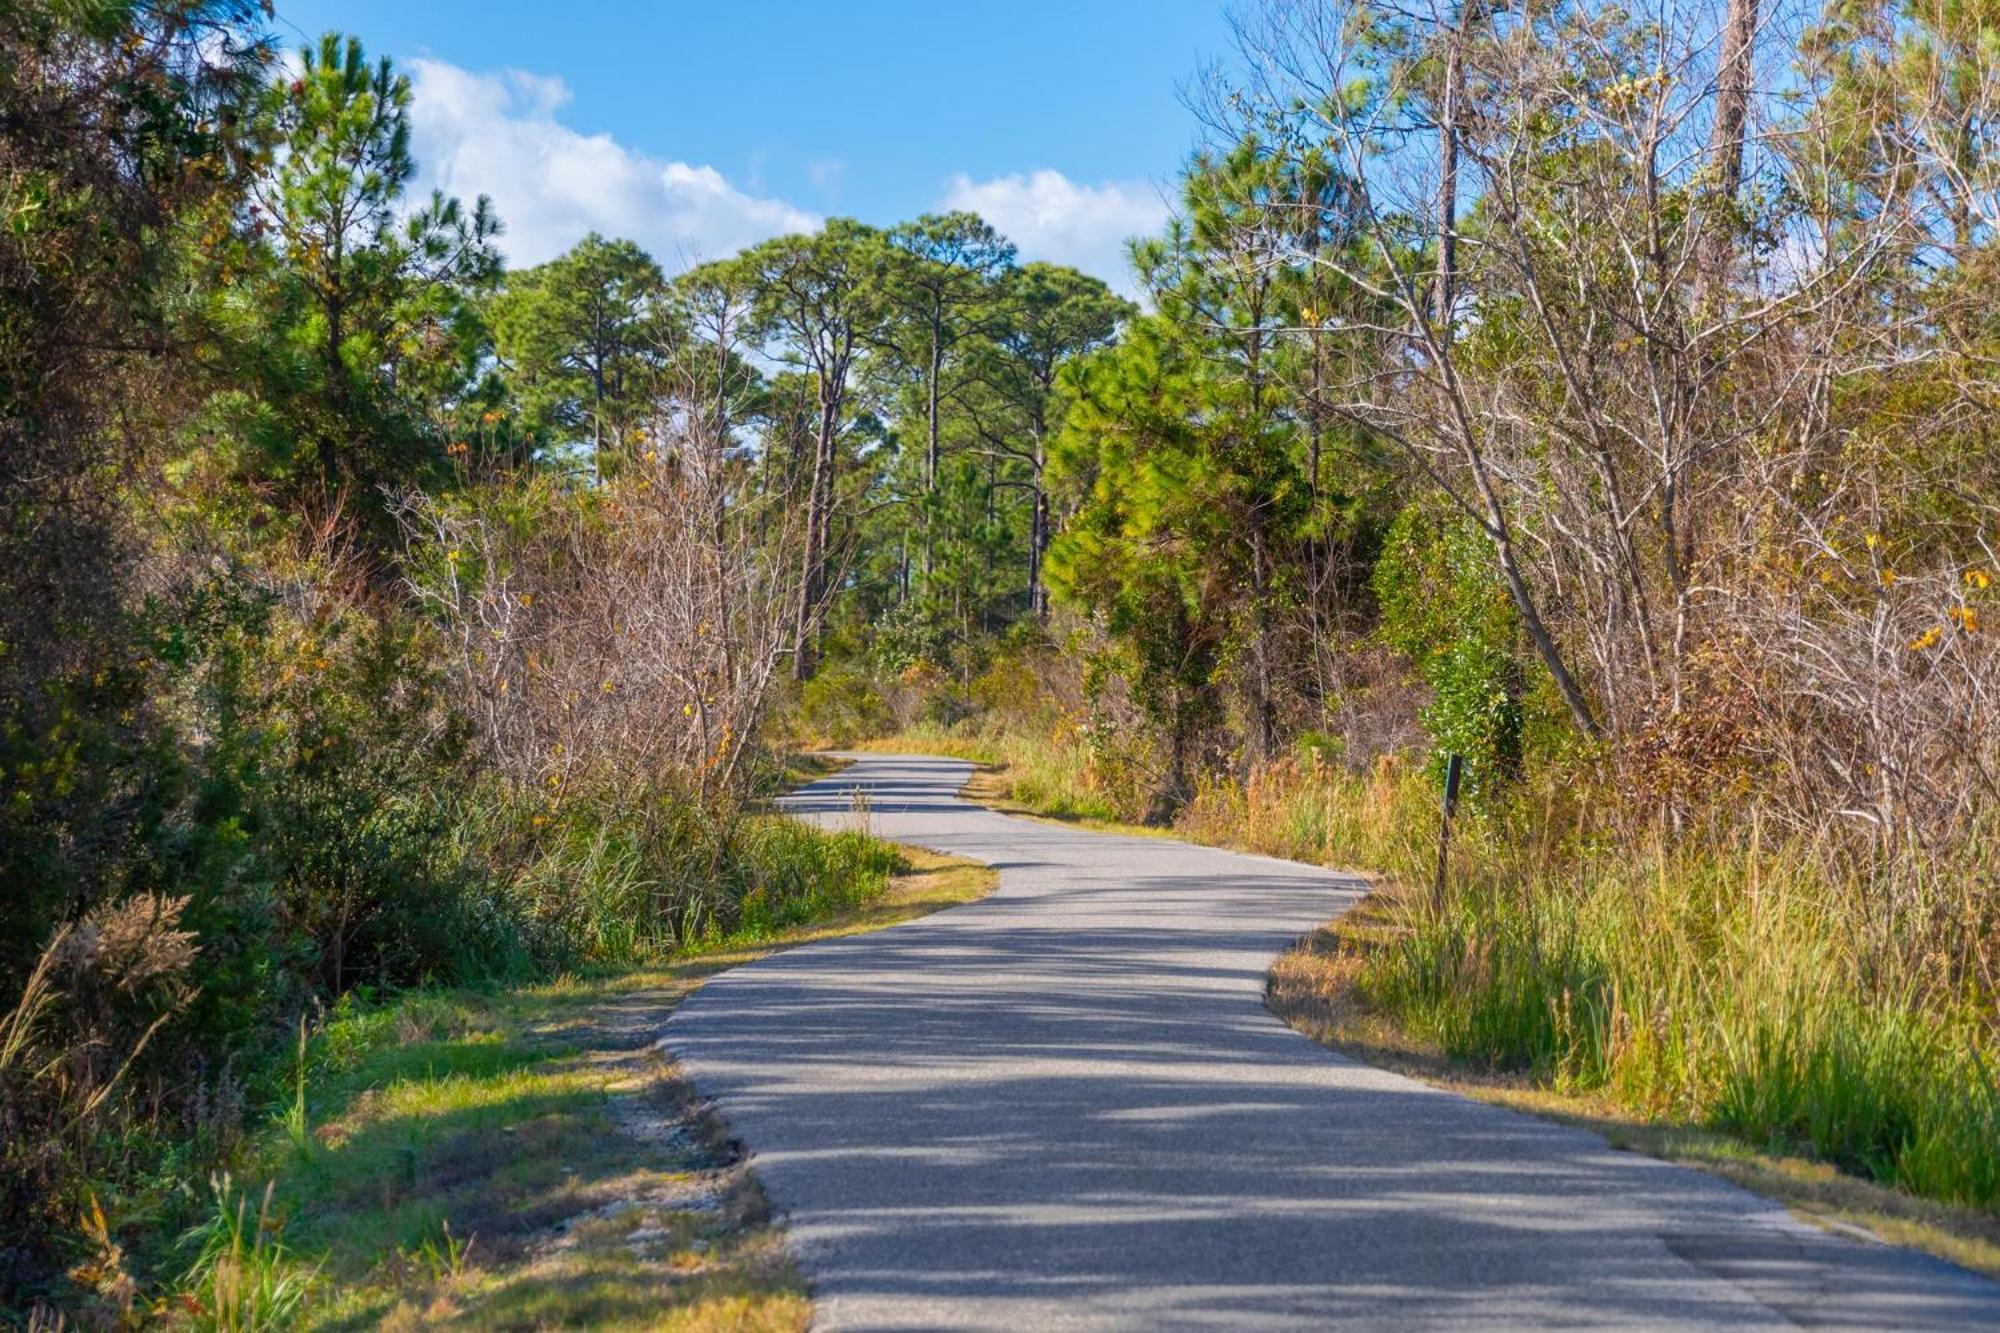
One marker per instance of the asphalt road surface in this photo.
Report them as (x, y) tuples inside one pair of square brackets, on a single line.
[(1065, 1106)]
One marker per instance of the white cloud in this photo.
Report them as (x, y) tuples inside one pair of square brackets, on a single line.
[(1051, 217), (498, 135), (501, 135)]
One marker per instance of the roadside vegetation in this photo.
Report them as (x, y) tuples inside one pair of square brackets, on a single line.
[(385, 636), (1320, 987), (1602, 397)]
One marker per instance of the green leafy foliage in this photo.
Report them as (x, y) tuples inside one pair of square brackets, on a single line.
[(843, 705), (353, 324), (1443, 608)]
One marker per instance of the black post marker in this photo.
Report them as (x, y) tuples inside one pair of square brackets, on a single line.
[(1454, 771)]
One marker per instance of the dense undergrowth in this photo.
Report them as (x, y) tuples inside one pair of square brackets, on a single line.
[(607, 884)]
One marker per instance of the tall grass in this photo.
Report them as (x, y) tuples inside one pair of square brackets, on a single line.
[(615, 872), (243, 1280), (1669, 983), (1756, 989)]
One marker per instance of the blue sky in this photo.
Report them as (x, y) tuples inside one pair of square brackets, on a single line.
[(698, 127)]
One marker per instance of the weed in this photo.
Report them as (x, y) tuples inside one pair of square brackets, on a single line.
[(243, 1279), (298, 1128)]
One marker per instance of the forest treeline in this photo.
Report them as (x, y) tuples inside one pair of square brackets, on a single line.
[(1604, 397)]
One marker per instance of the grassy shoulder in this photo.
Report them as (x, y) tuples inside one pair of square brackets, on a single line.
[(1315, 987), (518, 1158)]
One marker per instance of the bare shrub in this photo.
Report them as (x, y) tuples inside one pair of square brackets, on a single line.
[(640, 623)]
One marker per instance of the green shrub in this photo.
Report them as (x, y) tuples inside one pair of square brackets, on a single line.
[(1443, 607), (1475, 710), (325, 787), (291, 780), (842, 705)]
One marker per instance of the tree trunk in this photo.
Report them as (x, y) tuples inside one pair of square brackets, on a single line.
[(597, 415), (1546, 647), (931, 414), (331, 455), (1447, 195), (333, 444), (1733, 72), (931, 449), (1263, 706), (1038, 532), (819, 507)]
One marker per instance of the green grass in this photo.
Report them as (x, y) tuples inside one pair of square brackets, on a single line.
[(518, 1158), (1664, 982)]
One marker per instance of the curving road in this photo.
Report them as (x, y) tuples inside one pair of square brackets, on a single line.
[(1065, 1106)]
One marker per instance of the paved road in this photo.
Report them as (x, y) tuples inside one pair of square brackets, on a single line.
[(1065, 1107)]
